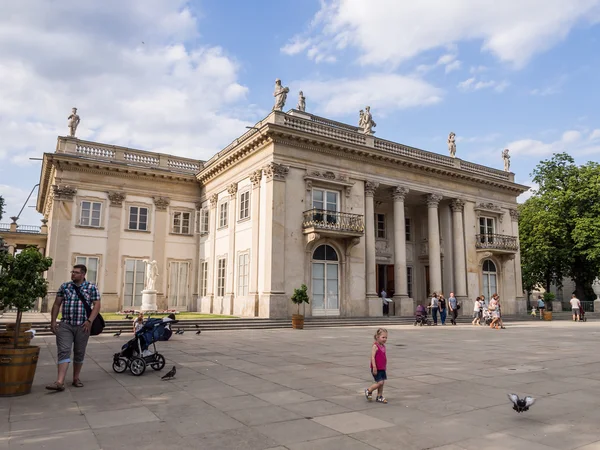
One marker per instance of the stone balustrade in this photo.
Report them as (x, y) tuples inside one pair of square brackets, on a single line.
[(496, 242)]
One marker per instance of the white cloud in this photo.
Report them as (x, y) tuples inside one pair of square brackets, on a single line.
[(471, 84), (454, 65), (527, 194), (298, 45), (133, 69), (385, 92), (477, 69), (14, 198), (573, 142), (391, 32), (551, 89)]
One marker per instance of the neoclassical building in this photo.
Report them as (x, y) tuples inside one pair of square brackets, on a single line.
[(297, 199)]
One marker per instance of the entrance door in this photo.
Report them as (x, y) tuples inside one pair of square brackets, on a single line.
[(325, 282)]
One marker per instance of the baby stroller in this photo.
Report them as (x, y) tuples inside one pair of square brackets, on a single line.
[(582, 317), (487, 316), (421, 316), (135, 354)]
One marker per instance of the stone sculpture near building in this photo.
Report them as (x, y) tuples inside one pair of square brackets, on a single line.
[(452, 144), (280, 95), (74, 120), (506, 158), (149, 292), (301, 102), (365, 121)]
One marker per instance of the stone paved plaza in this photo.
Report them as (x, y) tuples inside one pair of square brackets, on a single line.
[(296, 390)]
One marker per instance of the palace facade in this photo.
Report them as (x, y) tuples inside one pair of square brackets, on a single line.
[(297, 199)]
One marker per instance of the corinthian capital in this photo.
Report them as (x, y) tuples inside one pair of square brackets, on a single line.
[(116, 198), (399, 192), (370, 188), (514, 214), (433, 200), (213, 200), (457, 205), (256, 177), (276, 171), (232, 189), (64, 192)]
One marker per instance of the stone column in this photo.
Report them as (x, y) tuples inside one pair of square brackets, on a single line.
[(212, 254), (374, 304), (58, 244), (111, 300), (433, 242), (521, 303), (274, 302), (255, 178), (231, 256), (460, 268), (403, 304), (161, 229)]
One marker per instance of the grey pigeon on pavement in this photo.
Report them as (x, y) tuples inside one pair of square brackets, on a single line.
[(521, 404), (118, 333), (170, 374)]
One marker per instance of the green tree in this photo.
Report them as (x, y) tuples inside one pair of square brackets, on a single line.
[(558, 226), (1, 207), (22, 281)]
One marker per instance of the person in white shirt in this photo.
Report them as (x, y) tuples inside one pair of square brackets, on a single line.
[(434, 307), (386, 303), (477, 312), (575, 307)]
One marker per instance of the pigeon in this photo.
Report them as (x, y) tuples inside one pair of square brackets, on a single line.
[(128, 317), (170, 374), (521, 404), (197, 326), (118, 333), (199, 331), (179, 331)]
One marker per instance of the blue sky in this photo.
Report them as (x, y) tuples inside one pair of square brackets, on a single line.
[(187, 76)]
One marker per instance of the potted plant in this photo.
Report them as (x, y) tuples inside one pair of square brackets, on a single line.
[(299, 298), (22, 282), (549, 298)]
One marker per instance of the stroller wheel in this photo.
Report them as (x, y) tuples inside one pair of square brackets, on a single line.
[(138, 366), (119, 365), (159, 362)]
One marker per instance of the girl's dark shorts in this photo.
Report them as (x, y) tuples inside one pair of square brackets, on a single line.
[(381, 376)]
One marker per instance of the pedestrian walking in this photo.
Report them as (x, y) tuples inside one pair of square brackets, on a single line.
[(575, 307), (453, 305), (378, 366), (434, 307), (442, 307)]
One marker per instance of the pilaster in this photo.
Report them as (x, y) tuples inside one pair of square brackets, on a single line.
[(255, 178), (161, 230), (212, 258), (232, 257), (110, 288)]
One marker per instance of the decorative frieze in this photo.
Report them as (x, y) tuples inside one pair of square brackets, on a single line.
[(256, 177), (457, 205), (489, 208), (370, 188), (64, 192), (116, 198), (276, 171), (399, 193), (161, 203), (328, 178), (433, 200)]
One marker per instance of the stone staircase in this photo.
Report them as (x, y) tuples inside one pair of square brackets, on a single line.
[(113, 326)]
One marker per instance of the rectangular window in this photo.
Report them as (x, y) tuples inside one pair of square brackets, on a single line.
[(222, 265), (90, 214), (380, 220), (91, 262), (408, 229), (244, 205), (243, 273), (135, 279), (138, 218), (178, 283), (181, 222), (223, 215), (409, 281), (202, 221), (324, 200), (203, 278), (486, 229)]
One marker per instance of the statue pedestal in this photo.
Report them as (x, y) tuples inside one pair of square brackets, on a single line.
[(149, 300)]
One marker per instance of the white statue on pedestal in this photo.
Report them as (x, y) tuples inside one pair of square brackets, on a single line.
[(366, 122), (452, 144), (506, 158), (151, 275), (280, 95), (74, 120)]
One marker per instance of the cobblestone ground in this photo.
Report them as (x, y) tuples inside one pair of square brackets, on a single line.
[(292, 389)]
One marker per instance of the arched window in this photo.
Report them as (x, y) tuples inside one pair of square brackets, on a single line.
[(490, 279), (325, 281)]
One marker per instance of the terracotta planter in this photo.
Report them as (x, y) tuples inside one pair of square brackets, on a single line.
[(547, 315), (297, 321), (17, 370)]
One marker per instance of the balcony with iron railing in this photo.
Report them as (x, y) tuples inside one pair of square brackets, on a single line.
[(333, 223), (498, 243)]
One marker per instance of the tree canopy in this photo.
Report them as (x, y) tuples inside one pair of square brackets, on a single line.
[(1, 207), (559, 225)]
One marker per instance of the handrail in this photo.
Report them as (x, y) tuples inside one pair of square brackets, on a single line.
[(333, 220)]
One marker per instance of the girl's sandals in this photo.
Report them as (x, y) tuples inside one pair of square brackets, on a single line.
[(381, 399), (56, 387), (77, 383), (368, 395)]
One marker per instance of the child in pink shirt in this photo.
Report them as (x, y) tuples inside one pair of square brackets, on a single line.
[(378, 365)]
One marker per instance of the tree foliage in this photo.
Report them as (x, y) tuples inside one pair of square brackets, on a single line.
[(559, 227), (22, 281), (1, 207)]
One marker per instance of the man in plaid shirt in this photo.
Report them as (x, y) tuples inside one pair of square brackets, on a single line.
[(73, 331)]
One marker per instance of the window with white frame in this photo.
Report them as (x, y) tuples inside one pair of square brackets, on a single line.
[(138, 218), (408, 229), (487, 227), (90, 214), (135, 279), (203, 278), (202, 221), (380, 220), (223, 208), (244, 205), (409, 281), (181, 222), (243, 273), (324, 200), (91, 263), (178, 283), (221, 267)]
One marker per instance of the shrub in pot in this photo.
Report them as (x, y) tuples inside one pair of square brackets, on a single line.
[(22, 282), (300, 297)]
